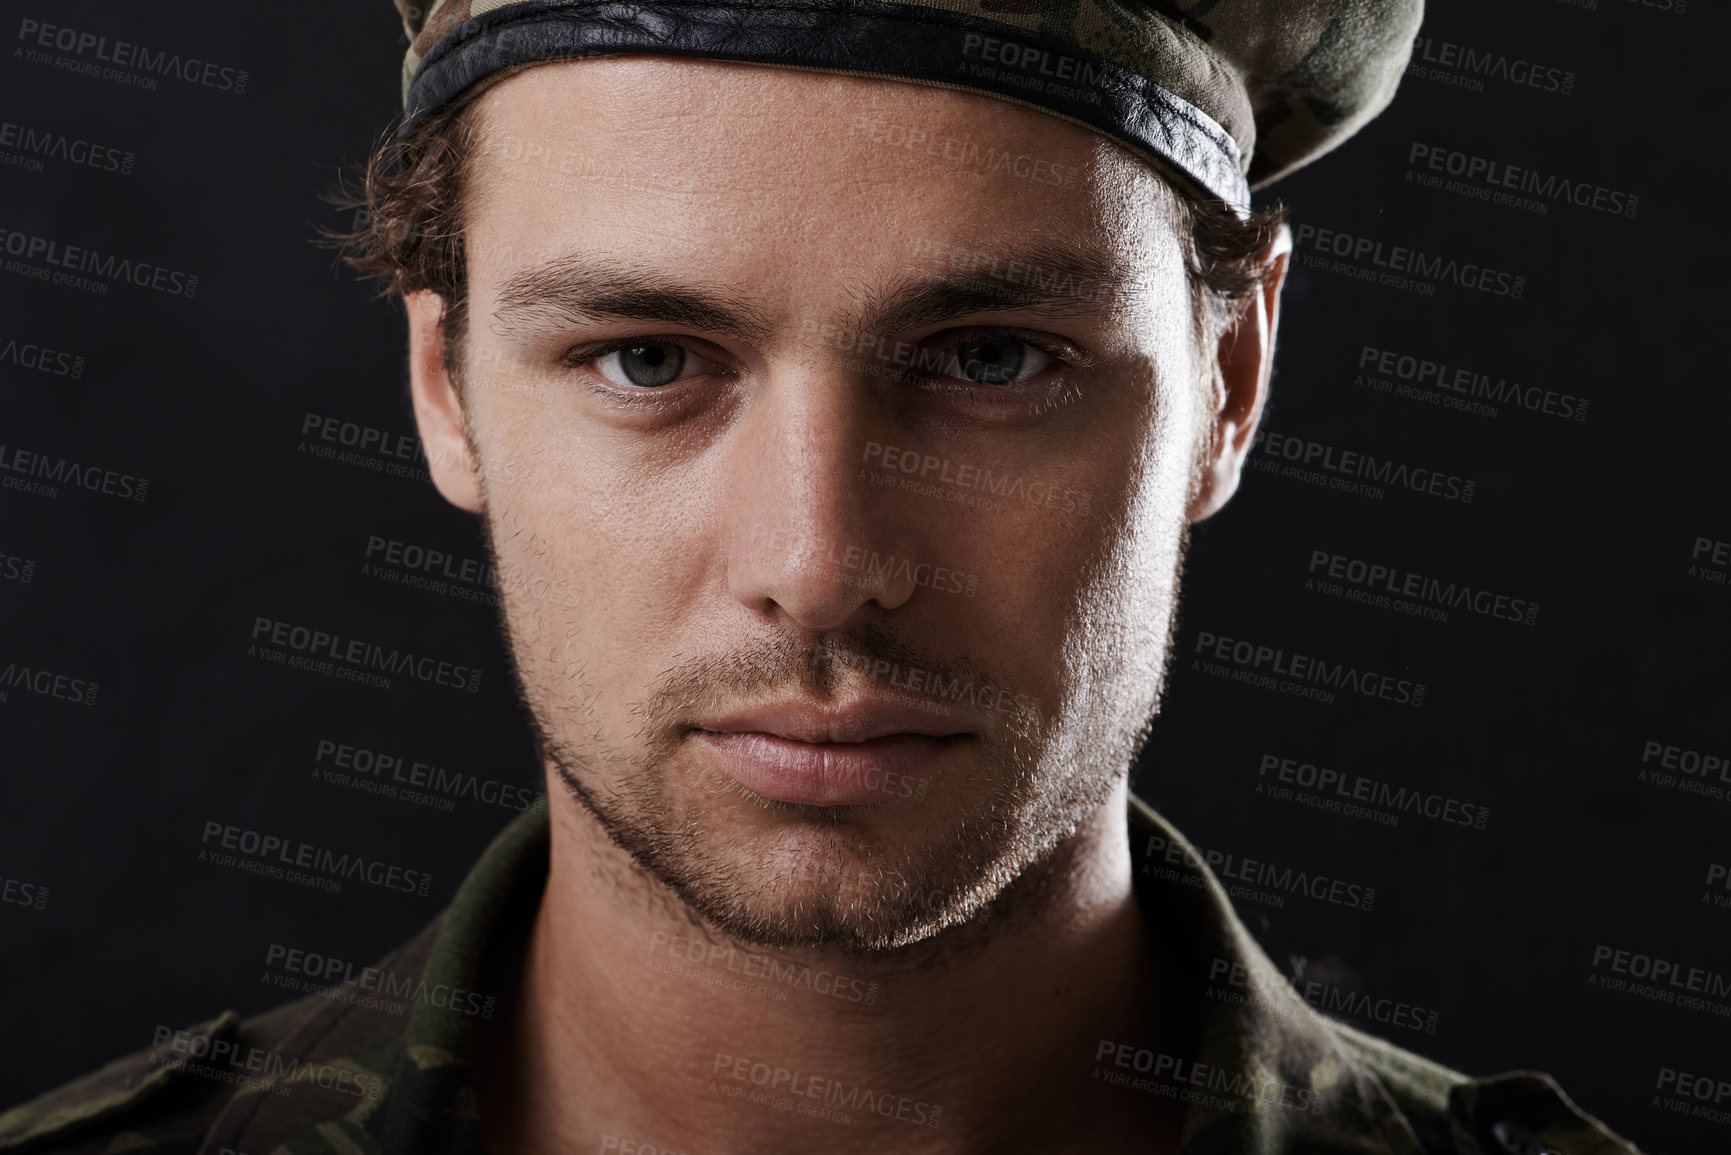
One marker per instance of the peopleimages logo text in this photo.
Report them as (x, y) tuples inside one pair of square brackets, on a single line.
[(65, 471), (1363, 467), (361, 654), (124, 54), (36, 142), (225, 1059), (1255, 872), (1303, 669), (81, 259), (48, 684), (1358, 788), (1432, 592), (1520, 179), (41, 358), (1486, 63), (270, 849), (1414, 262), (1441, 376)]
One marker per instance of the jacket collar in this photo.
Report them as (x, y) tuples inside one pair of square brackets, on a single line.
[(432, 1105), (1270, 1075), (1274, 1075)]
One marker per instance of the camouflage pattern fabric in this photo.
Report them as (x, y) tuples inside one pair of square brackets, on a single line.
[(1224, 95), (338, 1074)]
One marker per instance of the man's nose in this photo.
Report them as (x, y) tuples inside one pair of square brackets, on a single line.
[(807, 536)]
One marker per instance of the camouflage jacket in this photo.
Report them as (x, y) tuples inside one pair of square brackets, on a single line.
[(344, 1071)]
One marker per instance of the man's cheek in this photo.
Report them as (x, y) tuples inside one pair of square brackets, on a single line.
[(593, 578)]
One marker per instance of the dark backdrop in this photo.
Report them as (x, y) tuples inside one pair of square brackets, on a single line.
[(1537, 214)]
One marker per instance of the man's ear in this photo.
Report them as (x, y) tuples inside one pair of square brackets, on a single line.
[(1243, 365), (438, 408)]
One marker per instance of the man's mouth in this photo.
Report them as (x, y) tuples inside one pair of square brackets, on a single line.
[(830, 756)]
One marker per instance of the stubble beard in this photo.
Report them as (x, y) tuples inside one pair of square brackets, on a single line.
[(1033, 782)]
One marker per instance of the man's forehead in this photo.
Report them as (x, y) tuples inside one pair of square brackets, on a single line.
[(860, 174), (707, 107)]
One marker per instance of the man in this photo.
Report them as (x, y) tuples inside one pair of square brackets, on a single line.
[(866, 398)]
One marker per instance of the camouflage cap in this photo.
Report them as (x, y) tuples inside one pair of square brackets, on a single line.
[(1220, 94)]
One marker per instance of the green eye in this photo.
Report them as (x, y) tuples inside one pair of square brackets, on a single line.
[(648, 365), (997, 360)]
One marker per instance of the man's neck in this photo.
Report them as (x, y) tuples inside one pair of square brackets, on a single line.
[(633, 1026)]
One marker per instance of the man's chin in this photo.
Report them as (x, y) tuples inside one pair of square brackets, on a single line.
[(789, 876), (816, 880), (794, 919)]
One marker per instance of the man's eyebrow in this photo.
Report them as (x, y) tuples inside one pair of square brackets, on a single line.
[(576, 289), (1046, 278)]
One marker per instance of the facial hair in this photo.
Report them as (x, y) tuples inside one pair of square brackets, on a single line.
[(1027, 789)]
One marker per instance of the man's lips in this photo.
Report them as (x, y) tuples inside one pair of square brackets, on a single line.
[(855, 722), (866, 752)]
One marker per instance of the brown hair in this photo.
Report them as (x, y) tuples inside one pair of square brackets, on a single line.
[(409, 231)]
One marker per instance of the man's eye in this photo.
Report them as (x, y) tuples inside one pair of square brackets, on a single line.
[(649, 365), (994, 360)]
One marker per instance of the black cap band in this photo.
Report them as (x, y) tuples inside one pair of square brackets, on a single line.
[(862, 37)]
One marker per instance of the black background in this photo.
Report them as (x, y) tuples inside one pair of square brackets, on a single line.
[(1545, 725)]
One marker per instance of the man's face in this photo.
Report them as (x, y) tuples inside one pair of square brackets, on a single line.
[(835, 437)]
